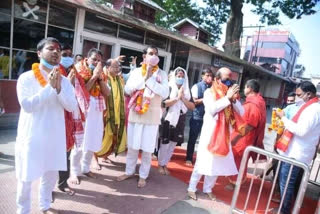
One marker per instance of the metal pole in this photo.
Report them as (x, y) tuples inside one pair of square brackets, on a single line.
[(257, 43)]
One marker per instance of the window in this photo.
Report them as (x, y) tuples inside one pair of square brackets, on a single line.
[(132, 34), (22, 62), (27, 34), (269, 60), (5, 7), (156, 40), (273, 45), (100, 24), (64, 36), (254, 59), (4, 63), (5, 28), (62, 15), (31, 10), (29, 26)]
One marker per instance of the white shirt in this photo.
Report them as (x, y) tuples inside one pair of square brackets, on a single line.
[(41, 139), (306, 134), (207, 163), (194, 91)]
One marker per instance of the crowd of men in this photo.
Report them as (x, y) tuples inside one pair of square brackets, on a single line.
[(75, 111)]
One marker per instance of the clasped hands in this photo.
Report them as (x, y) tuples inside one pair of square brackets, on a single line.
[(98, 72), (54, 79), (232, 92)]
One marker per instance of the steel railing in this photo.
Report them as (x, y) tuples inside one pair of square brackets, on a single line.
[(301, 192)]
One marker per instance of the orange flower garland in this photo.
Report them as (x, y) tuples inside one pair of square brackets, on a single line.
[(39, 77), (143, 108)]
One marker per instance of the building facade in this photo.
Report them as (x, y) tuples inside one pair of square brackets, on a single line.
[(112, 29), (273, 49)]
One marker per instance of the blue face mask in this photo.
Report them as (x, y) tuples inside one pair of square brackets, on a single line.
[(47, 64), (227, 82), (179, 80), (92, 67), (66, 62)]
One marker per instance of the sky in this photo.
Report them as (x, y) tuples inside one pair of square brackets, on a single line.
[(305, 30)]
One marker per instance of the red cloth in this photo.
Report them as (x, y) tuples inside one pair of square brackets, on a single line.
[(68, 119), (220, 140), (255, 116), (285, 139)]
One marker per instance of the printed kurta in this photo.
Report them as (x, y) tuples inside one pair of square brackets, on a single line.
[(207, 163), (41, 138), (115, 133)]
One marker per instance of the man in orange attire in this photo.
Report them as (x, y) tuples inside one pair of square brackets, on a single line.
[(255, 119)]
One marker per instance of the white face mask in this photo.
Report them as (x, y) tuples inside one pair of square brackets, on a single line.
[(299, 100)]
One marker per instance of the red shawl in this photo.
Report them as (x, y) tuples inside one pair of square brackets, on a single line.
[(220, 140), (285, 139)]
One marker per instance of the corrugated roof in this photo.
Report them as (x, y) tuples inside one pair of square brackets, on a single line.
[(152, 4), (138, 23)]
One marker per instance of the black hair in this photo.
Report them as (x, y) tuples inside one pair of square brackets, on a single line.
[(45, 41), (291, 94), (307, 86), (109, 62), (94, 50), (66, 47), (206, 71), (145, 51), (253, 84), (78, 55)]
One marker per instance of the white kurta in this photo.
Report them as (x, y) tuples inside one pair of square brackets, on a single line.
[(207, 163), (41, 138), (93, 129), (140, 135), (306, 132)]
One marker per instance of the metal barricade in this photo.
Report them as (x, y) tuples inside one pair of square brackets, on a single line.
[(301, 192), (315, 173)]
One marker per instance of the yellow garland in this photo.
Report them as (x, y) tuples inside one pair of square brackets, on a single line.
[(276, 123)]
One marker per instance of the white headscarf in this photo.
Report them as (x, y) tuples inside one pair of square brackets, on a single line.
[(174, 110)]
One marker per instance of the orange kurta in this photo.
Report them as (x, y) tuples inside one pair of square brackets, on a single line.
[(255, 116)]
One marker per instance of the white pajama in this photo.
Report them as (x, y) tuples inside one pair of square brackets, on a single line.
[(80, 158), (142, 136), (131, 163), (165, 153), (80, 161), (46, 186), (209, 182)]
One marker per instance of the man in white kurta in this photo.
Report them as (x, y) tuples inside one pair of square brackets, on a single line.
[(143, 128), (90, 70), (206, 163), (41, 139)]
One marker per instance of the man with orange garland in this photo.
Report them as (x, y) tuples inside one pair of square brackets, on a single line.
[(43, 95), (147, 86), (222, 115), (92, 107)]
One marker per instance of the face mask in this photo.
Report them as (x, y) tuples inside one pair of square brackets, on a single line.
[(152, 60), (47, 64), (179, 81), (66, 61), (227, 82), (92, 67), (299, 100)]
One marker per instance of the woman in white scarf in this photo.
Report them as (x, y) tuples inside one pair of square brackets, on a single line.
[(178, 103)]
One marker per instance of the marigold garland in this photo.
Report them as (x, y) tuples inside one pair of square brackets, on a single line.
[(143, 107), (37, 73)]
